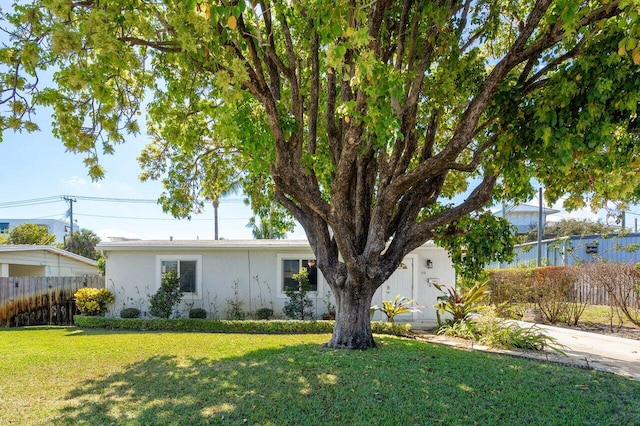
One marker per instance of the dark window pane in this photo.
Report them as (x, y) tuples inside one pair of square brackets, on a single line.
[(188, 276), (289, 268)]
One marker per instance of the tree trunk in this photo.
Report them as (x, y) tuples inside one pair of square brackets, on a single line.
[(353, 323)]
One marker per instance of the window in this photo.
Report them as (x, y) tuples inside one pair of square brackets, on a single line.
[(291, 266), (186, 267)]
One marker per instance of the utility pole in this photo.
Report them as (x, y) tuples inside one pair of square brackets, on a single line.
[(540, 227), (70, 215)]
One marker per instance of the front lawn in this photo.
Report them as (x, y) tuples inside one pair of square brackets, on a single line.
[(74, 376)]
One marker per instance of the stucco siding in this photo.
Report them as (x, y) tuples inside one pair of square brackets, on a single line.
[(133, 273)]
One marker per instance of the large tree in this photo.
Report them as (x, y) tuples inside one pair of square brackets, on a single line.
[(367, 117)]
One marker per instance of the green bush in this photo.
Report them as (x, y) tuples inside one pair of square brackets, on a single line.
[(130, 313), (93, 301), (264, 313), (227, 326), (299, 304), (493, 331), (197, 313), (460, 303), (397, 306), (167, 297)]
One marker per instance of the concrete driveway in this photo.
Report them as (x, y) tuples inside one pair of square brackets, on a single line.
[(598, 351), (583, 349)]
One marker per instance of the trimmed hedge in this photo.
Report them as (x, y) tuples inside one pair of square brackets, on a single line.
[(228, 326)]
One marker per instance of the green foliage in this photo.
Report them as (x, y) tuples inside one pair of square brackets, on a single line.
[(167, 297), (476, 240), (93, 301), (490, 330), (358, 117), (130, 313), (299, 304), (83, 243), (397, 306), (30, 233), (460, 303), (264, 313), (235, 306), (229, 326), (197, 313)]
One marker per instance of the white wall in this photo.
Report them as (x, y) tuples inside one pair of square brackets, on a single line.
[(133, 276)]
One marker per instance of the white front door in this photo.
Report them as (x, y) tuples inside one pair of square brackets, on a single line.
[(401, 282)]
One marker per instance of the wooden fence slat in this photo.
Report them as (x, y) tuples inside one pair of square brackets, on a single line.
[(41, 300)]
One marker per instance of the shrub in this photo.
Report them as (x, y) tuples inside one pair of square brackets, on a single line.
[(490, 330), (460, 303), (397, 306), (167, 297), (264, 313), (226, 326), (197, 313), (297, 307), (234, 309), (93, 301), (130, 313)]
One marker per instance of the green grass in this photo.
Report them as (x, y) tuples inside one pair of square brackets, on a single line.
[(70, 376)]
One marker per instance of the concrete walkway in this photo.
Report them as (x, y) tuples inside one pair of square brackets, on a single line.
[(601, 352), (583, 349)]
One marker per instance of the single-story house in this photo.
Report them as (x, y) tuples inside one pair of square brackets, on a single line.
[(43, 261), (253, 273)]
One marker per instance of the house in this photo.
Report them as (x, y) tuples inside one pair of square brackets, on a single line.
[(525, 216), (57, 227), (254, 273), (43, 261)]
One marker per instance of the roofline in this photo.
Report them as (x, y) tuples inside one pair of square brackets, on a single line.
[(51, 249), (206, 244)]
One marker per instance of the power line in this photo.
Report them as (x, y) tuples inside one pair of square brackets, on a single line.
[(58, 198)]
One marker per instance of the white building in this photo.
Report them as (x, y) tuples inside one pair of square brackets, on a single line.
[(256, 272), (43, 261)]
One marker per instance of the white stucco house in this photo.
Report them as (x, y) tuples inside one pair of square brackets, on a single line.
[(43, 261), (254, 272)]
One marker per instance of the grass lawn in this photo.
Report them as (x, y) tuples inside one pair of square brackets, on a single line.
[(71, 376)]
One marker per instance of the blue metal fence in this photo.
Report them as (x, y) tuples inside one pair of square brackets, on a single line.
[(575, 250)]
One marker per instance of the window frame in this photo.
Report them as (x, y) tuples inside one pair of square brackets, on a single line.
[(299, 256), (197, 295)]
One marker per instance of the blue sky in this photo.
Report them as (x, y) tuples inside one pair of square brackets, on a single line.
[(37, 165)]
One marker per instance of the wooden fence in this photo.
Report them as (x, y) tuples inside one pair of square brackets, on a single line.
[(41, 300)]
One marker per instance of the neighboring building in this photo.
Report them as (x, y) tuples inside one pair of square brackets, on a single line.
[(256, 272), (525, 216), (43, 261), (577, 249), (57, 227)]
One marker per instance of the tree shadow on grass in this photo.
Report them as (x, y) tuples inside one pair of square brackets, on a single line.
[(400, 382)]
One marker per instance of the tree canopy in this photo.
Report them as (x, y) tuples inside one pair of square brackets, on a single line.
[(84, 243), (30, 233), (378, 125)]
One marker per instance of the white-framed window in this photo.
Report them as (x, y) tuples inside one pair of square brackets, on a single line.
[(187, 267), (291, 264)]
